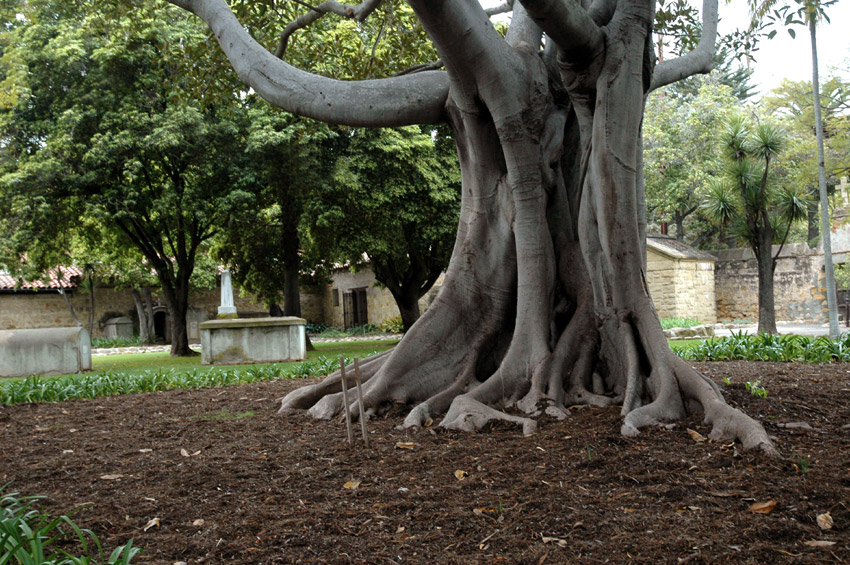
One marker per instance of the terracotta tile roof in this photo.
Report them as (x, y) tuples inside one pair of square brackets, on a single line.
[(8, 282)]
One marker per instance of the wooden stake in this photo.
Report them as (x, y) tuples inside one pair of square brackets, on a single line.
[(345, 401), (360, 402)]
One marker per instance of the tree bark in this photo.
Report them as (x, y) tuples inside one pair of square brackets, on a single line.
[(826, 225), (144, 332), (146, 292), (766, 265)]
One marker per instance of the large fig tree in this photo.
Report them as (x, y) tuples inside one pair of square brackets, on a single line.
[(545, 302)]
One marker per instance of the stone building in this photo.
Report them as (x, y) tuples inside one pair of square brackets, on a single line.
[(355, 298), (680, 279)]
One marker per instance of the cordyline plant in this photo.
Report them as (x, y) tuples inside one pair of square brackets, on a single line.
[(545, 302)]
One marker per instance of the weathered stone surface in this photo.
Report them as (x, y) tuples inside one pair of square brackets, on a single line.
[(680, 280), (48, 351), (253, 340), (799, 284), (122, 326)]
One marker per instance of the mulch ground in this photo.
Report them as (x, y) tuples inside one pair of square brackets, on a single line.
[(227, 480)]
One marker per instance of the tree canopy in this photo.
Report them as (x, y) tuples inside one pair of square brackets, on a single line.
[(115, 121)]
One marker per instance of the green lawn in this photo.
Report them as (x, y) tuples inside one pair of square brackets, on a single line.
[(162, 360)]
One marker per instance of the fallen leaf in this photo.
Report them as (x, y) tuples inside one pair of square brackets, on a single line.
[(145, 450), (763, 507), (151, 524), (199, 522), (819, 543), (111, 477), (825, 521), (461, 475), (64, 451), (399, 529), (351, 485), (405, 445), (697, 437), (184, 453), (559, 541), (481, 511)]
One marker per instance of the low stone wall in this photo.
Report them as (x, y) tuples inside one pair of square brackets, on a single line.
[(50, 351), (254, 340), (47, 309), (799, 285)]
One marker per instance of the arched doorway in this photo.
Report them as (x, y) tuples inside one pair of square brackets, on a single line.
[(161, 326)]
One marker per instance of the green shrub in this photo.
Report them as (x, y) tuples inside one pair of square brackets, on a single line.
[(110, 342), (333, 331), (392, 326), (313, 329), (40, 389), (667, 323), (28, 536), (768, 347)]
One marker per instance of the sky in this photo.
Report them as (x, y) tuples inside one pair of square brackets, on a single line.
[(785, 57)]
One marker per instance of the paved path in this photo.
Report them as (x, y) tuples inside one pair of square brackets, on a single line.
[(796, 329)]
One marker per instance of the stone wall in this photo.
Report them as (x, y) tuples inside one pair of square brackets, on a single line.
[(799, 286), (47, 309), (681, 288)]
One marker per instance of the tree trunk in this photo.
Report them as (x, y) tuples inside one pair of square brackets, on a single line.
[(149, 320), (91, 304), (408, 307), (545, 302), (177, 302), (70, 306), (765, 262), (144, 332), (826, 225)]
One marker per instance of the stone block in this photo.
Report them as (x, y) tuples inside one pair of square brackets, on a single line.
[(252, 340), (46, 351)]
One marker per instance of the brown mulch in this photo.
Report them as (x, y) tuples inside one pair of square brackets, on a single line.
[(231, 481)]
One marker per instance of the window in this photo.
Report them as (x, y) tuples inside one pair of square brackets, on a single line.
[(336, 297)]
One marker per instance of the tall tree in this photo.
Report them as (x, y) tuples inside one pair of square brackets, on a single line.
[(262, 242), (545, 298), (793, 102), (808, 13), (395, 198), (761, 212), (680, 149), (115, 122)]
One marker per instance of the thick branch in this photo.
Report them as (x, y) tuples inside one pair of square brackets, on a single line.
[(699, 60), (359, 12), (570, 27), (414, 99)]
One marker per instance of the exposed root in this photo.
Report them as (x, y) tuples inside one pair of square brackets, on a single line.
[(467, 414), (308, 396), (727, 423)]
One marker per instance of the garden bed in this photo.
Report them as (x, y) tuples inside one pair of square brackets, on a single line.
[(216, 476)]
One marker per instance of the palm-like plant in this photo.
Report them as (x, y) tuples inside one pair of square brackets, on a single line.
[(808, 13), (751, 205)]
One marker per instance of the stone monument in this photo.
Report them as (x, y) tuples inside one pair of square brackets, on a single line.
[(227, 309)]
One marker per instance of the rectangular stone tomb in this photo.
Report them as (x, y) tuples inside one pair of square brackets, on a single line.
[(45, 351), (252, 340)]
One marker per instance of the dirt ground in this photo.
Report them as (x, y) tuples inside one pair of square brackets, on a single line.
[(226, 480)]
